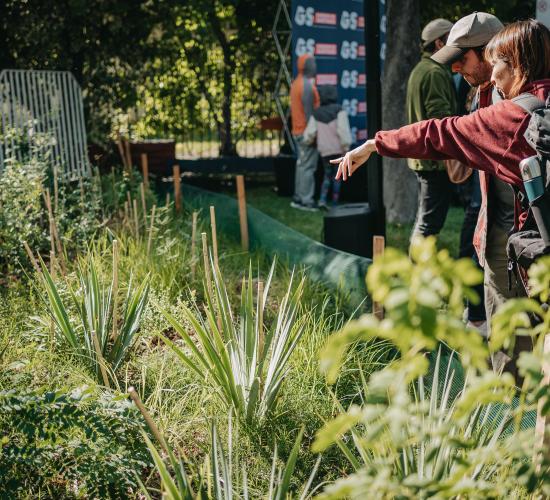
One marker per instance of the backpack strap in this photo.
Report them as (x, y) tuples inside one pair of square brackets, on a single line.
[(529, 102)]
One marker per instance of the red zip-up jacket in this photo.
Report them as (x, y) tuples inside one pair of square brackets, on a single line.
[(490, 139)]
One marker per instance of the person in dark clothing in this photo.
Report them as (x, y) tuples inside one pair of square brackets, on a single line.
[(431, 94), (329, 127)]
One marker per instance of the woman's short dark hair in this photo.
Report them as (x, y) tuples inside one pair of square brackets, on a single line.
[(525, 47)]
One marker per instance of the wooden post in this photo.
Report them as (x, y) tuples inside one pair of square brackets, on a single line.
[(243, 220), (54, 235), (177, 187), (143, 204), (55, 191), (53, 274), (136, 220), (167, 203), (206, 264), (31, 257), (378, 244), (145, 169), (121, 151), (82, 204), (100, 359), (141, 407), (542, 439), (261, 336), (128, 154), (150, 239), (214, 235), (193, 244), (115, 290)]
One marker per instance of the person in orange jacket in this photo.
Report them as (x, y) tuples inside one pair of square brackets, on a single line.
[(304, 98)]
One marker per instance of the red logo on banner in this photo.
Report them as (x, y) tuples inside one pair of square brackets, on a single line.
[(362, 107), (362, 80), (361, 134), (361, 51), (326, 49), (360, 22), (325, 18), (327, 79)]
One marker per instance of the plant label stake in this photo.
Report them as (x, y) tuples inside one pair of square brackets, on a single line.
[(177, 187), (147, 416), (193, 244), (100, 359), (115, 289), (145, 169), (206, 263), (378, 244), (241, 196), (214, 234), (149, 241)]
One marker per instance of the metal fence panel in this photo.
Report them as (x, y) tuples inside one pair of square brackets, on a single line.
[(44, 105)]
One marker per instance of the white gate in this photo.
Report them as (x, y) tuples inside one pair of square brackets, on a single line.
[(45, 106)]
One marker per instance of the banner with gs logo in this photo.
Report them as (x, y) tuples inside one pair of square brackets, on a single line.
[(333, 32)]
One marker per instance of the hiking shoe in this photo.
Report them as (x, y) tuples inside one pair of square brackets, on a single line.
[(323, 205), (306, 208)]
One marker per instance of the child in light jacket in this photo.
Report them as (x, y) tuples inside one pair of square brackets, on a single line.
[(329, 126)]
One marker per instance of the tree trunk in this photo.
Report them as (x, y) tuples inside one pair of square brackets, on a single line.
[(402, 53)]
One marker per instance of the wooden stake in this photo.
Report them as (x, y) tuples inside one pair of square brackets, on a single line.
[(206, 263), (378, 244), (143, 204), (193, 244), (55, 191), (151, 231), (167, 200), (115, 290), (542, 438), (82, 204), (128, 154), (121, 151), (177, 187), (146, 415), (100, 359), (243, 220), (53, 232), (136, 220), (31, 257), (145, 169), (261, 335), (214, 235)]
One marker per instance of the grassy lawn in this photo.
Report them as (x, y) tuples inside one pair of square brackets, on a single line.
[(311, 224)]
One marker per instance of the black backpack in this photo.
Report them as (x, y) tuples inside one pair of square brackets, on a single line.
[(533, 241)]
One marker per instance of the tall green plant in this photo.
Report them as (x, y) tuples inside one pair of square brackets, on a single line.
[(245, 360), (88, 312), (405, 441)]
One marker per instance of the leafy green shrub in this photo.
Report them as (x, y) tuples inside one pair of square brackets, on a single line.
[(406, 441), (59, 445), (22, 217), (245, 362)]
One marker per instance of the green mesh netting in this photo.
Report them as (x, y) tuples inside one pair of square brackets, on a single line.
[(339, 270)]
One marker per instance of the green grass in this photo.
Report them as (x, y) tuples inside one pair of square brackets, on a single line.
[(311, 224)]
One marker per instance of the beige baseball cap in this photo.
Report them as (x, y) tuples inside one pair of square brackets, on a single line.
[(435, 29), (469, 32)]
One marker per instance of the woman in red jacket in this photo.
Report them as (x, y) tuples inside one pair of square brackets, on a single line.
[(491, 138)]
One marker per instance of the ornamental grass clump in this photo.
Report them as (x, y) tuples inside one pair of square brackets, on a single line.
[(92, 320), (244, 359)]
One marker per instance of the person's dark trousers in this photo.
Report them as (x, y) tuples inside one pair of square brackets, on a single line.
[(434, 195), (476, 312), (330, 184)]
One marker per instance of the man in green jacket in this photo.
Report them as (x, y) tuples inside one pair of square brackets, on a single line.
[(431, 94)]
